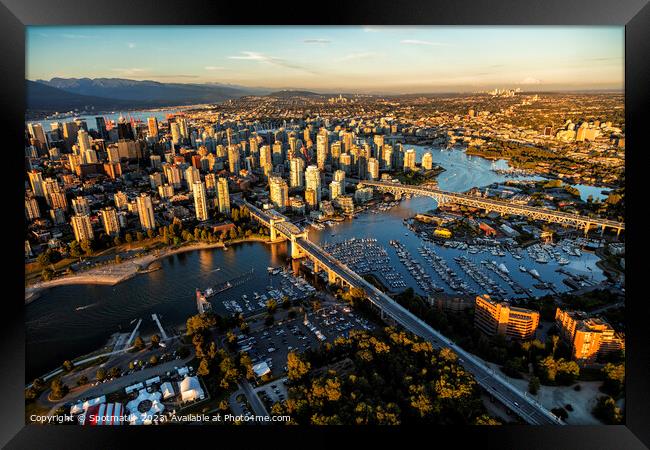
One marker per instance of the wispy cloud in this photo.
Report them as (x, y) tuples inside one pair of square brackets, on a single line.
[(266, 59), (75, 36), (214, 68), (130, 44), (420, 42), (177, 76), (130, 71), (358, 55), (316, 41)]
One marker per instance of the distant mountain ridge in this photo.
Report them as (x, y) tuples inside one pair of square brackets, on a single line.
[(44, 98), (291, 93), (154, 92)]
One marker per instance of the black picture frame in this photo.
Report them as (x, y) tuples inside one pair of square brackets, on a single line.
[(633, 14)]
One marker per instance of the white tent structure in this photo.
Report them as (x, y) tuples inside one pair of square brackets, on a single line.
[(190, 389), (167, 390), (136, 417), (261, 369), (82, 406)]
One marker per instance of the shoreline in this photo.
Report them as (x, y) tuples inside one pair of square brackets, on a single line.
[(117, 273)]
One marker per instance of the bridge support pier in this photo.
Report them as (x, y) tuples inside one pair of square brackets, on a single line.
[(296, 251), (587, 226), (331, 277)]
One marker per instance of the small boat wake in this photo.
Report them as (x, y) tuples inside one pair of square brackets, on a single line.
[(81, 308)]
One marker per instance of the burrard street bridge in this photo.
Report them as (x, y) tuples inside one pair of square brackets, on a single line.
[(499, 206), (338, 273)]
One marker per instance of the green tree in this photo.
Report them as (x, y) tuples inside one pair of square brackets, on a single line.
[(607, 411), (614, 382), (83, 379), (271, 305), (153, 360), (138, 343), (59, 390), (100, 375), (87, 247), (533, 385), (204, 368), (47, 274), (155, 341), (296, 367), (67, 365)]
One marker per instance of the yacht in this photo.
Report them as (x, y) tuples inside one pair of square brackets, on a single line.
[(563, 261), (523, 269)]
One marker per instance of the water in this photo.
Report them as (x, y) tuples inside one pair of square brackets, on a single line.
[(92, 124), (70, 321)]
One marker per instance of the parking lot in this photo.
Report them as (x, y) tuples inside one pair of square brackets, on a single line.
[(272, 344), (273, 392)]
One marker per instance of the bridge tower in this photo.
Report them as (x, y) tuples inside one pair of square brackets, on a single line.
[(296, 250)]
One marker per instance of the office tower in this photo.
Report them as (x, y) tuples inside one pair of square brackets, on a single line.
[(322, 149), (297, 172), (75, 161), (80, 206), (378, 141), (70, 131), (124, 130), (265, 156), (32, 211), (233, 159), (155, 161), (36, 182), (83, 230), (347, 137), (335, 150), (58, 216), (155, 180), (145, 212), (500, 318), (113, 153), (409, 160), (101, 127), (427, 161), (339, 175), (36, 132), (166, 191), (58, 200), (211, 183), (345, 163), (176, 132), (223, 195), (587, 337), (172, 175), (90, 156), (121, 200), (279, 193), (278, 153), (110, 221), (387, 157), (200, 200), (310, 199), (83, 139), (335, 190), (152, 125), (312, 181), (192, 174)]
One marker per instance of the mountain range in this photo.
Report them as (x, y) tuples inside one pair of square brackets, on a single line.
[(60, 94)]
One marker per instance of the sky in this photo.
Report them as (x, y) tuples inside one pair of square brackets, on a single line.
[(363, 59)]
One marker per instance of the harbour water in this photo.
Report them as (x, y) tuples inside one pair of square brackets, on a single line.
[(69, 321)]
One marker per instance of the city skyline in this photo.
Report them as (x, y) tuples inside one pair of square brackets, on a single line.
[(356, 59)]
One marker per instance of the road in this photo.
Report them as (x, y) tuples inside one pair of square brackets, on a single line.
[(519, 402), (253, 398)]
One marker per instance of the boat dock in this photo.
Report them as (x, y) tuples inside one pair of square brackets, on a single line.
[(234, 282), (162, 331)]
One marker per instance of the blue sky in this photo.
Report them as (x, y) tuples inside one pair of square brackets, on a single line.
[(330, 59)]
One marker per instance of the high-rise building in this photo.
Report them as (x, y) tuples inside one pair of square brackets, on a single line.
[(387, 157), (32, 211), (176, 133), (152, 125), (80, 205), (83, 139), (192, 174), (373, 169), (155, 180), (427, 161), (500, 318), (166, 191), (36, 132), (200, 200), (211, 183), (345, 163), (58, 200), (311, 199), (587, 337), (110, 221), (145, 212), (322, 149), (121, 200), (172, 175), (155, 161), (297, 172), (279, 193), (312, 181), (36, 181), (223, 195), (265, 156), (83, 230), (335, 190), (409, 160), (233, 159)]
